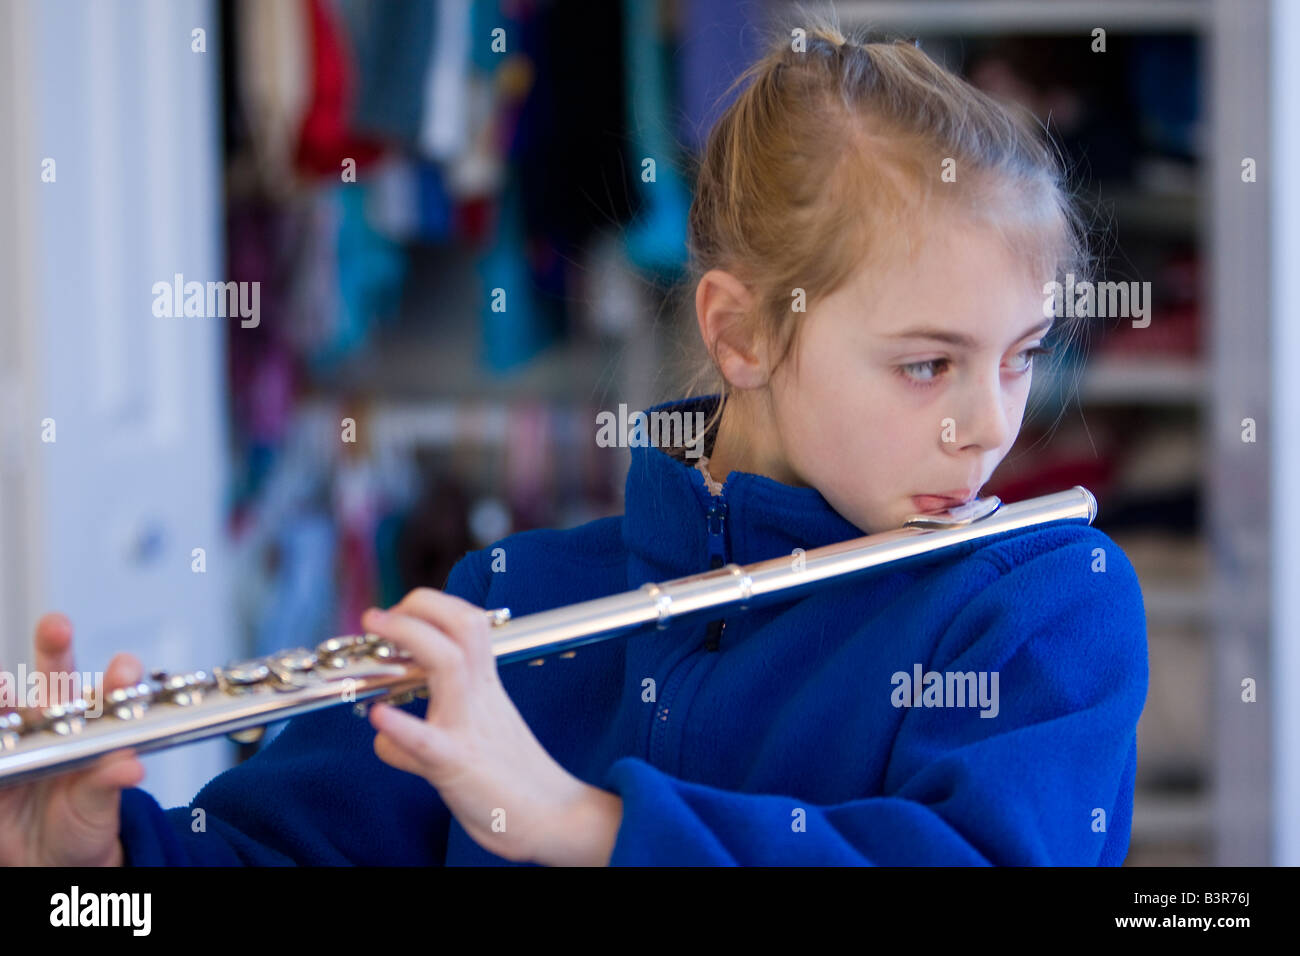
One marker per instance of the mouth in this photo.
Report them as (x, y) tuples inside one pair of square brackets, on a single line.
[(933, 504)]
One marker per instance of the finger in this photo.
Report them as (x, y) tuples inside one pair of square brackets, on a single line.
[(441, 658), (123, 670), (393, 755), (464, 623), (115, 771), (94, 796), (412, 744), (54, 647)]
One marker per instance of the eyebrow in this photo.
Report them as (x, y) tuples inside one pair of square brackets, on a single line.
[(958, 338)]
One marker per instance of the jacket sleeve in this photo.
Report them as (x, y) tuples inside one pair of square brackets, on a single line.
[(315, 795), (1047, 781)]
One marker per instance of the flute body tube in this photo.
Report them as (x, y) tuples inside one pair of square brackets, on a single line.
[(240, 699)]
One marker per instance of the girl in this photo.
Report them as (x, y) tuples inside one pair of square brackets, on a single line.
[(870, 238)]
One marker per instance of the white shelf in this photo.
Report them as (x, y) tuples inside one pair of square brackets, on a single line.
[(1158, 817), (1116, 381), (1152, 380), (1167, 604)]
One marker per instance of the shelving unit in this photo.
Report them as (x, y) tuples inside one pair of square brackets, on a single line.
[(1219, 619)]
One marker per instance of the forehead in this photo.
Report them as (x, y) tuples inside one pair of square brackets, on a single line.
[(963, 286)]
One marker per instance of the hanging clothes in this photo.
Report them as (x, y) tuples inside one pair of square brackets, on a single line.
[(435, 206), (516, 323), (393, 200), (393, 45), (325, 139), (359, 282), (274, 83), (530, 464), (357, 509), (300, 608), (444, 119), (656, 239), (491, 90), (436, 533), (315, 304)]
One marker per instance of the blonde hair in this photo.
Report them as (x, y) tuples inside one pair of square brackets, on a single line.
[(832, 153)]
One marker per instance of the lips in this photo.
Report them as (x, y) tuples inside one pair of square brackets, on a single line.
[(929, 504)]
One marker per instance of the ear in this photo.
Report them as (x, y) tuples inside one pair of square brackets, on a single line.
[(724, 307)]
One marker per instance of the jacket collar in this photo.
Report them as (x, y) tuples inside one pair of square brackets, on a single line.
[(666, 505)]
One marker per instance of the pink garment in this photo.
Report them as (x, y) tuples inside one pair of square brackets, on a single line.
[(356, 506)]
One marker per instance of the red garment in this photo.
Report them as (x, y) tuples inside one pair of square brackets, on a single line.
[(475, 219), (324, 139)]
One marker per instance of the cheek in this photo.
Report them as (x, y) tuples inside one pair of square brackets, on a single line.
[(1017, 401)]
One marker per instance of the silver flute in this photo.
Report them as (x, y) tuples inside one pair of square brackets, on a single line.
[(240, 699)]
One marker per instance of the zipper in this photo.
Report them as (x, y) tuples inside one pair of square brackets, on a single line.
[(716, 525), (717, 528)]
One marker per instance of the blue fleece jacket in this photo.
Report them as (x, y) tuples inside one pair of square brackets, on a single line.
[(797, 733)]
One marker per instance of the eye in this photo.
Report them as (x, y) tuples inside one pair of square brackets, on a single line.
[(1032, 354), (927, 366), (925, 374)]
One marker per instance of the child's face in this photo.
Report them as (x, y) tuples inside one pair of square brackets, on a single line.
[(873, 418)]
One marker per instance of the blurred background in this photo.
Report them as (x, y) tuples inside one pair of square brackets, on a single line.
[(195, 489)]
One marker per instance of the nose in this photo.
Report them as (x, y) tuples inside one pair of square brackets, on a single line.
[(982, 415)]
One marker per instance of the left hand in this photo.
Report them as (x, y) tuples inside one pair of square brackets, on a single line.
[(473, 746)]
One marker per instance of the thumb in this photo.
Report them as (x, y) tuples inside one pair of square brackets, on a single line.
[(94, 796), (407, 742)]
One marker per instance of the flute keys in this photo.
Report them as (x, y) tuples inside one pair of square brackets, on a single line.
[(65, 719), (129, 703), (296, 659), (334, 651), (338, 645), (242, 676), (250, 735), (383, 650), (11, 728), (291, 668), (399, 700), (243, 673), (386, 651), (186, 690)]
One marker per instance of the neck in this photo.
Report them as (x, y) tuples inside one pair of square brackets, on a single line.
[(747, 441)]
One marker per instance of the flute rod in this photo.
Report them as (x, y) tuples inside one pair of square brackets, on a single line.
[(172, 709), (777, 579)]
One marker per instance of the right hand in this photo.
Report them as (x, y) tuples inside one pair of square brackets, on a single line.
[(71, 819)]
